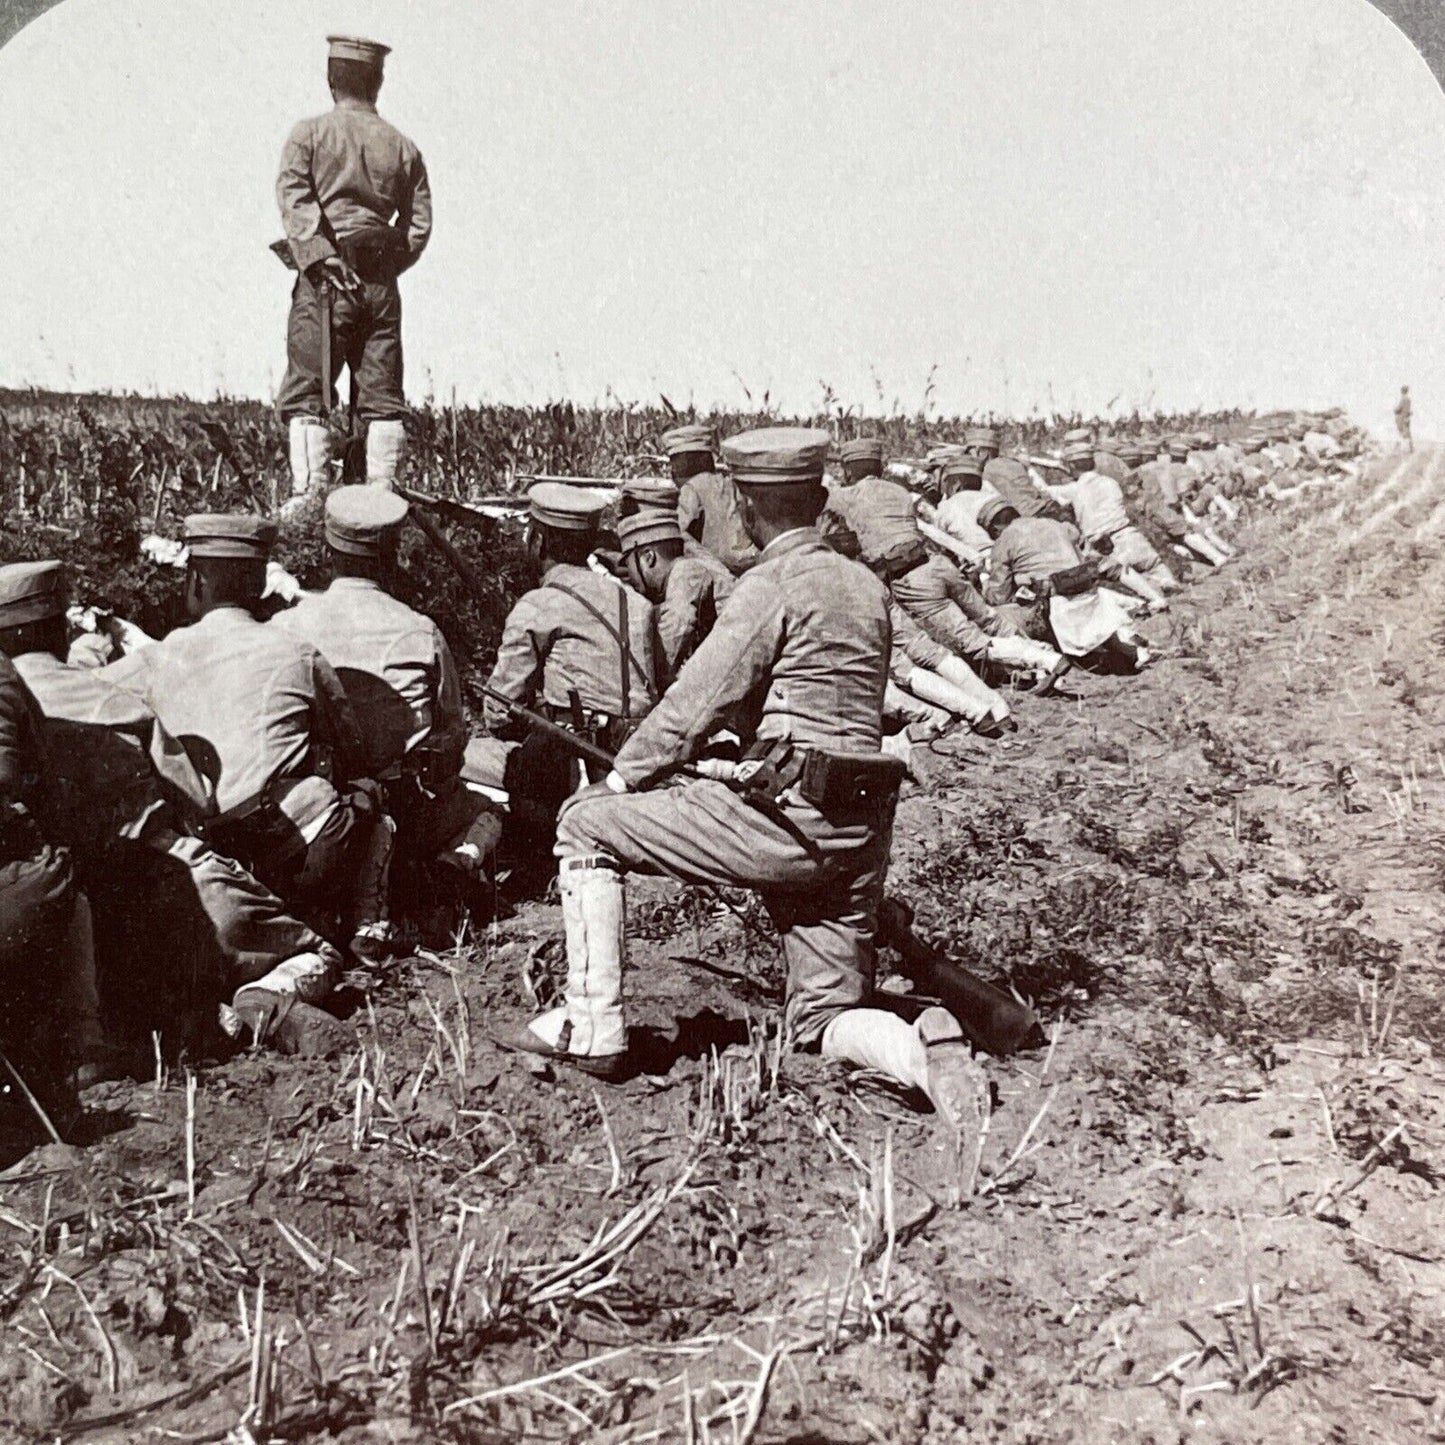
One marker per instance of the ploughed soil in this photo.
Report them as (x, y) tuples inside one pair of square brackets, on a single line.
[(1209, 1208)]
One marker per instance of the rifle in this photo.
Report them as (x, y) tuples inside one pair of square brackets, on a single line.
[(994, 1021)]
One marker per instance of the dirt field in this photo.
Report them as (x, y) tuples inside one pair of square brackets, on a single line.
[(1210, 1209)]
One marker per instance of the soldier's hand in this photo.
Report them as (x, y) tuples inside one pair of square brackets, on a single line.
[(342, 274)]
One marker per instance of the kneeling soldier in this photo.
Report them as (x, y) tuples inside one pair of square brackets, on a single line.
[(802, 647), (265, 718), (401, 682)]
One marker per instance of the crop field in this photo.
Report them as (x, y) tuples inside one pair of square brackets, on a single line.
[(1208, 1208)]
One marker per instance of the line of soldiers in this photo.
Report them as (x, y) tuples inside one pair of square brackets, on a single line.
[(756, 646)]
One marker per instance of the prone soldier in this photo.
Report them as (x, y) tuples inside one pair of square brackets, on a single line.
[(356, 207)]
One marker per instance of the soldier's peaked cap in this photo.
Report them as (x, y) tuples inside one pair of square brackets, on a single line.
[(230, 534), (776, 455), (1078, 434), (694, 437), (992, 508), (658, 492), (564, 508), (1078, 451), (862, 449), (982, 436), (353, 47), (31, 592), (964, 466), (359, 517), (645, 529)]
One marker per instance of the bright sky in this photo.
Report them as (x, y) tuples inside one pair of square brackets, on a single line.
[(1124, 202)]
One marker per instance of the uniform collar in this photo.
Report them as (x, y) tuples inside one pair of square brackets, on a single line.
[(353, 102), (229, 614), (791, 540)]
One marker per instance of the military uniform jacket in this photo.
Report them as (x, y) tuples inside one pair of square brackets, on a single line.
[(1010, 478), (1030, 549), (348, 174), (878, 512), (707, 510), (117, 772), (257, 710), (696, 589), (580, 630), (800, 652), (396, 668), (1111, 466), (958, 516), (23, 758), (1097, 502)]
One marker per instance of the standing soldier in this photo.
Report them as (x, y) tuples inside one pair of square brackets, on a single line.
[(356, 206), (801, 650), (1402, 419), (707, 503)]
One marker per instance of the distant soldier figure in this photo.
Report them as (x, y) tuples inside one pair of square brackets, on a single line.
[(1402, 418), (707, 504), (356, 206)]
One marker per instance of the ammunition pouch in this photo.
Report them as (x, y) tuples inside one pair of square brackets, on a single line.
[(377, 256), (852, 787), (847, 788), (1074, 581)]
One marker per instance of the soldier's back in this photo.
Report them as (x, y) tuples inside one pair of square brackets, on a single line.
[(238, 694), (385, 654)]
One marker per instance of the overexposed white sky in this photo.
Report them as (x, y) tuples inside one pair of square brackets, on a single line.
[(1112, 203)]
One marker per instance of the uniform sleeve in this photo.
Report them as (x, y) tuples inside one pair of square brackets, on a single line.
[(517, 673), (689, 511), (1000, 576), (677, 616), (414, 218), (449, 724), (183, 785), (334, 722), (296, 196), (19, 739), (970, 601), (735, 657)]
